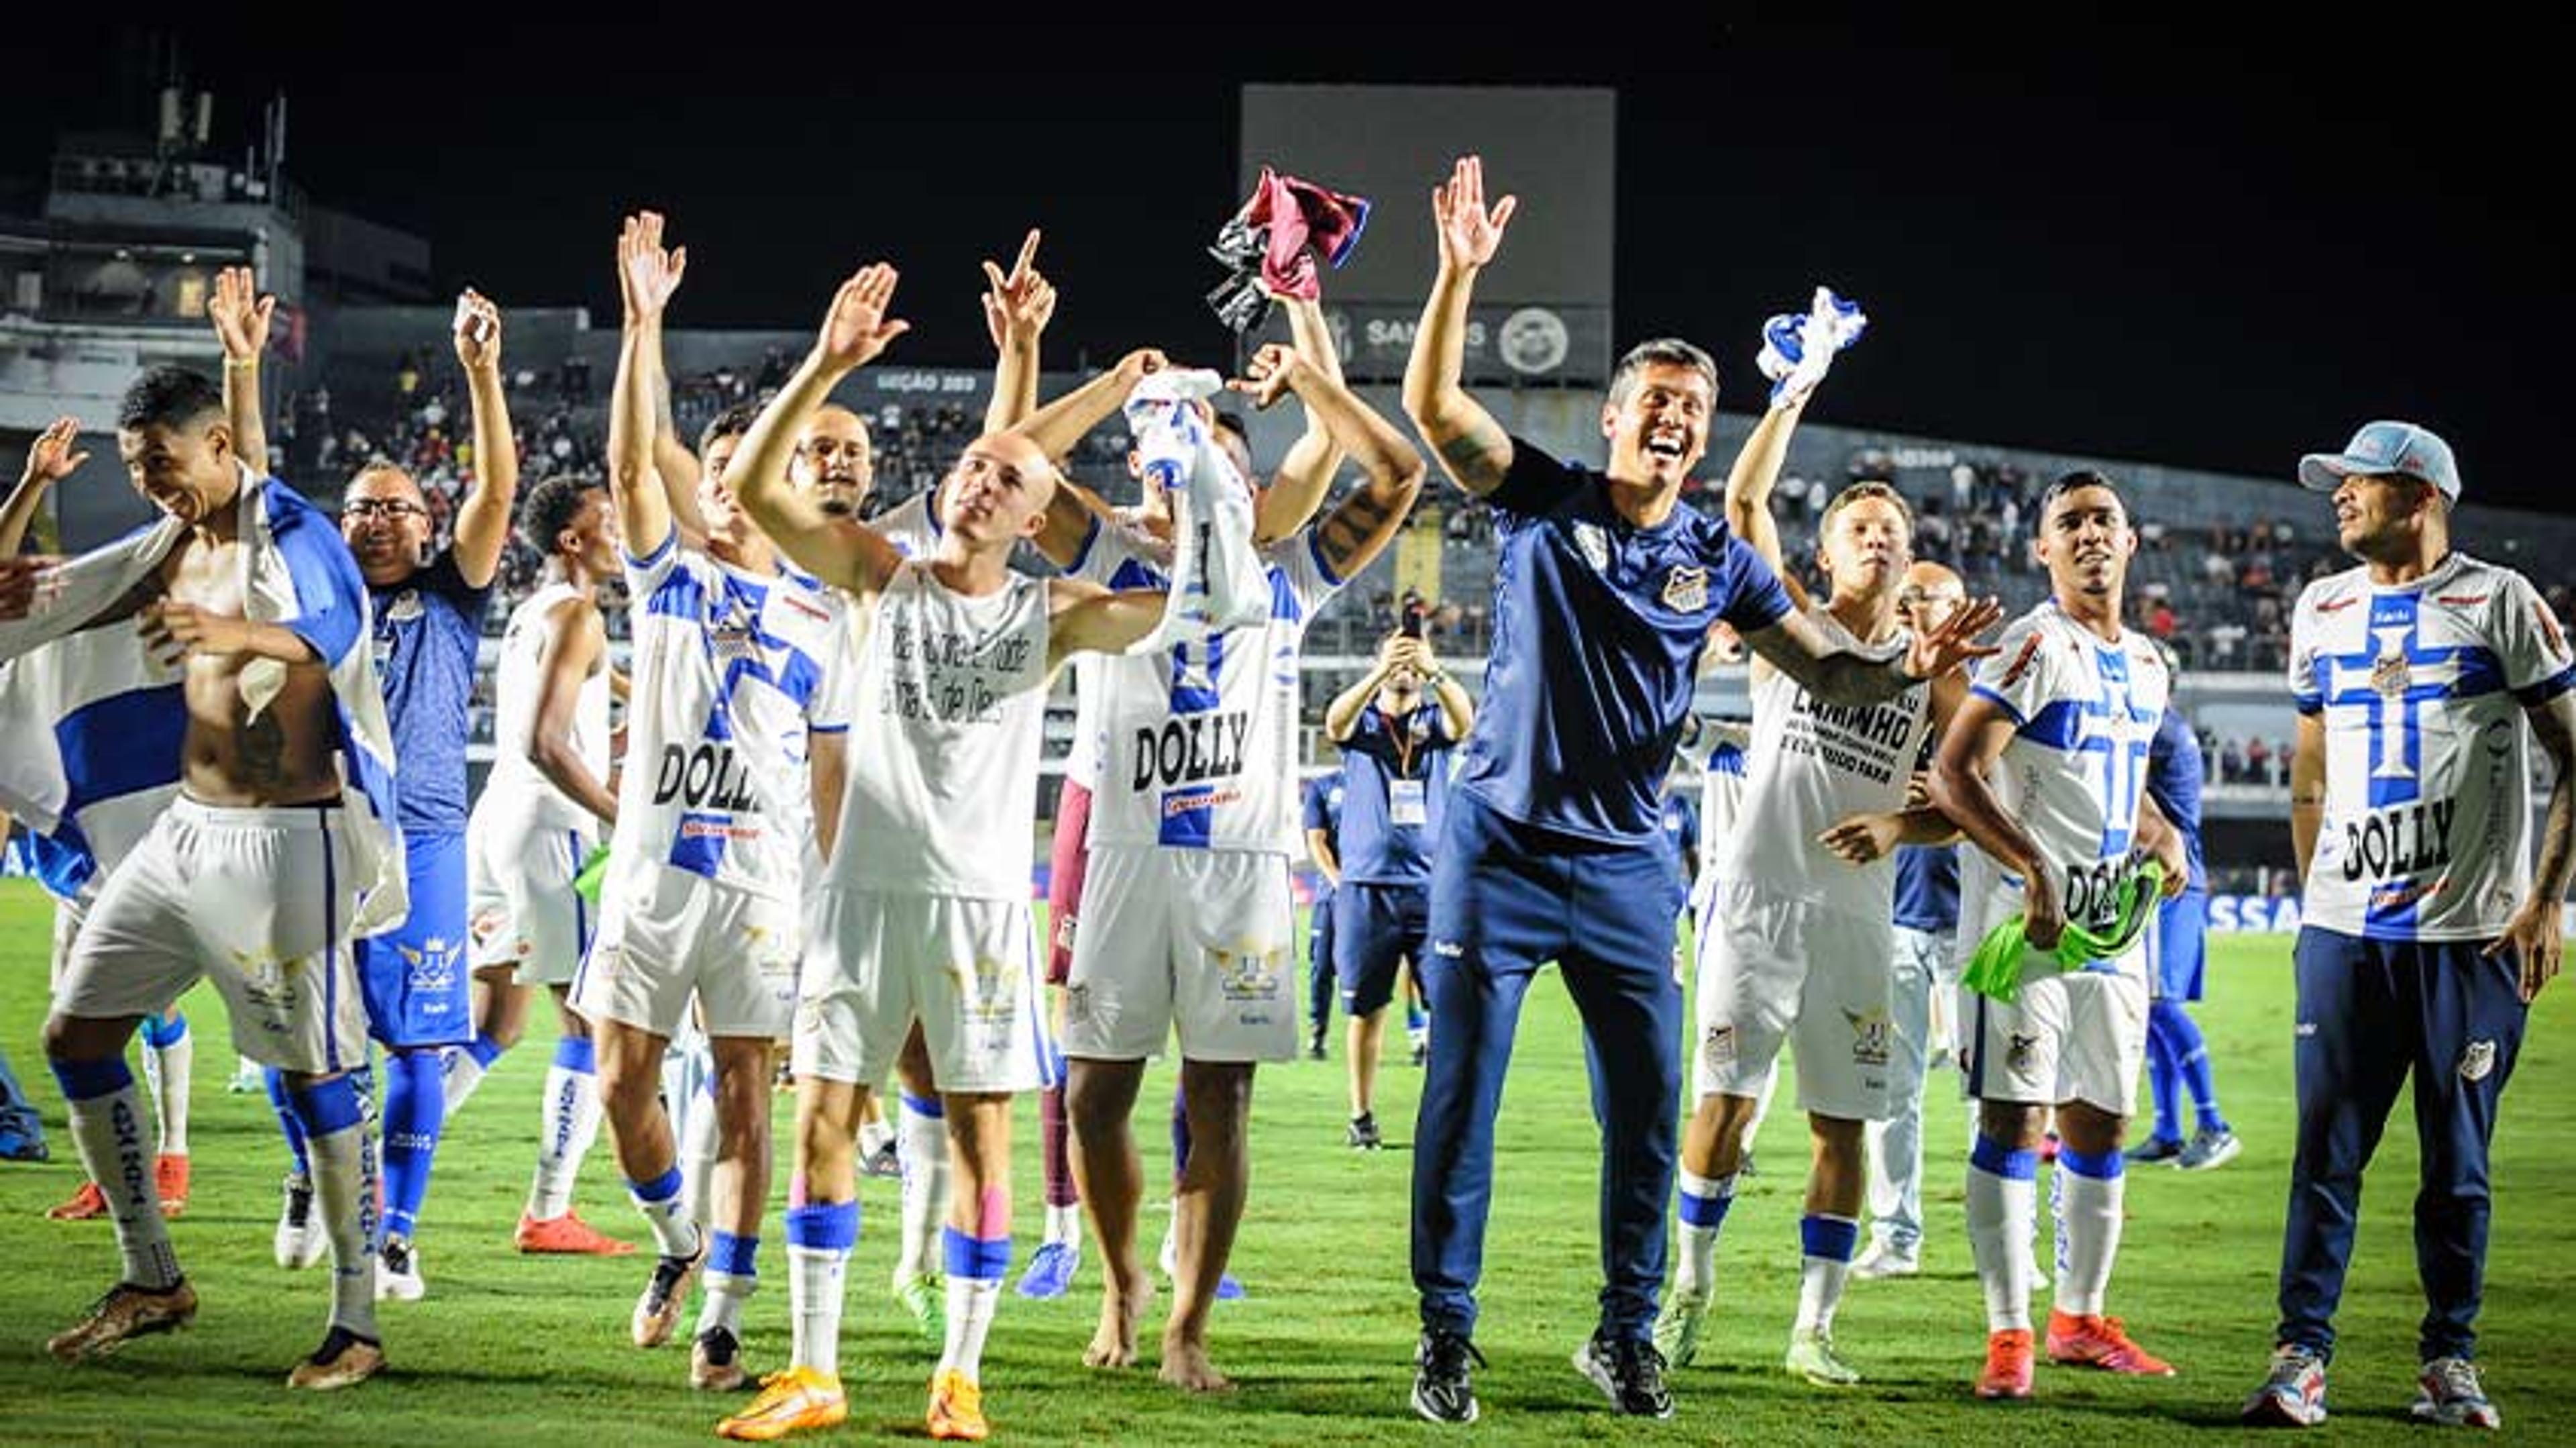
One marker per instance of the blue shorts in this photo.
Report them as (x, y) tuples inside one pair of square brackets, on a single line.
[(2178, 948), (414, 978), (1376, 927)]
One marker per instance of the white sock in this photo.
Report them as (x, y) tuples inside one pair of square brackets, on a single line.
[(1828, 1243), (873, 1135), (2003, 1207), (732, 1276), (109, 1131), (344, 1192), (698, 1131), (1064, 1224), (568, 1123), (923, 1142), (814, 1304), (674, 1235), (1704, 1203), (2089, 1212), (970, 1316), (169, 1068)]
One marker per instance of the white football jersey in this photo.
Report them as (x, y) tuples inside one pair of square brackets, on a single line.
[(1116, 555), (2074, 771), (2428, 777), (910, 525), (1812, 765), (943, 789), (731, 672), (1198, 742), (518, 683)]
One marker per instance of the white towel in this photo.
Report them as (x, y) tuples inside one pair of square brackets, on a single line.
[(1219, 575), (1797, 351), (95, 723)]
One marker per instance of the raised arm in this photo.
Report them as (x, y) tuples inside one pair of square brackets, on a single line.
[(1342, 715), (1353, 534), (240, 316), (634, 485), (1016, 311), (1748, 490), (836, 550), (1056, 427), (1305, 475), (483, 519), (1474, 450), (646, 280), (576, 646), (50, 459), (1969, 749), (1458, 710)]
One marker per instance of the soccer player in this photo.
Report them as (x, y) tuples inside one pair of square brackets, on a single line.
[(1322, 809), (1920, 999), (277, 847), (2045, 771), (1603, 603), (1186, 917), (168, 1050), (2176, 951), (1396, 728), (541, 813), (923, 919), (1802, 943), (740, 680), (2425, 930), (427, 607)]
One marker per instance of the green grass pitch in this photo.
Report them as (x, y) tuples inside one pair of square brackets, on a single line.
[(533, 1350)]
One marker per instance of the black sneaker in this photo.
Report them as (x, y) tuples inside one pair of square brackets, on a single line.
[(1315, 1045), (1630, 1371), (1442, 1390), (1363, 1133)]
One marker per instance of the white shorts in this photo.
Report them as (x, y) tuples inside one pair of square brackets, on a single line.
[(666, 935), (1775, 970), (257, 899), (1193, 939), (519, 900), (2072, 1036), (967, 969), (68, 915)]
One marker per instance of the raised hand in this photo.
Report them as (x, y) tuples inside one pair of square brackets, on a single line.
[(478, 332), (1273, 370), (1930, 655), (1469, 234), (240, 314), (1017, 307), (647, 274), (50, 458), (25, 582), (857, 328), (1140, 364)]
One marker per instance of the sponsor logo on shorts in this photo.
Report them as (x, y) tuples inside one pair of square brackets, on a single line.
[(269, 984), (2478, 1061), (1717, 1047), (2017, 1055), (1248, 974), (1448, 949), (1870, 1031), (2305, 1030), (606, 960), (433, 966), (1077, 1001), (1686, 589), (988, 995)]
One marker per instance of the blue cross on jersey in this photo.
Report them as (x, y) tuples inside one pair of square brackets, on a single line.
[(2084, 726), (2394, 676)]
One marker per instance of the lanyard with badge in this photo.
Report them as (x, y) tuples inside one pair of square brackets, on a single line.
[(1407, 803)]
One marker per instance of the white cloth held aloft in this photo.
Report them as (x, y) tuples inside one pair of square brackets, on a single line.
[(1797, 351), (1217, 578)]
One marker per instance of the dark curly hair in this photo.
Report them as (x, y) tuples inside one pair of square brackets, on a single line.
[(550, 508), (168, 397)]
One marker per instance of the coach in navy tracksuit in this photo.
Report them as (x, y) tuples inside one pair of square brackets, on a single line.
[(2426, 932), (1604, 594)]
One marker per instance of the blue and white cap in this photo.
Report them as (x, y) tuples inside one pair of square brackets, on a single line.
[(2386, 447)]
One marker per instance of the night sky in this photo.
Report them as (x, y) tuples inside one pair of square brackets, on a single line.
[(2216, 250)]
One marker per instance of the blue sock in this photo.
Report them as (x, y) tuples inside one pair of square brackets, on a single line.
[(287, 1121), (2191, 1059), (1414, 1019), (165, 1030), (484, 1050), (415, 1110), (2164, 1079)]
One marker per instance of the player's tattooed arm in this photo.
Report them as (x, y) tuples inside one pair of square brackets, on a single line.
[(1353, 534), (240, 317), (2534, 933), (850, 555), (1017, 308), (483, 520), (1969, 750), (2307, 791), (1305, 475), (576, 644), (1797, 647), (1474, 450)]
